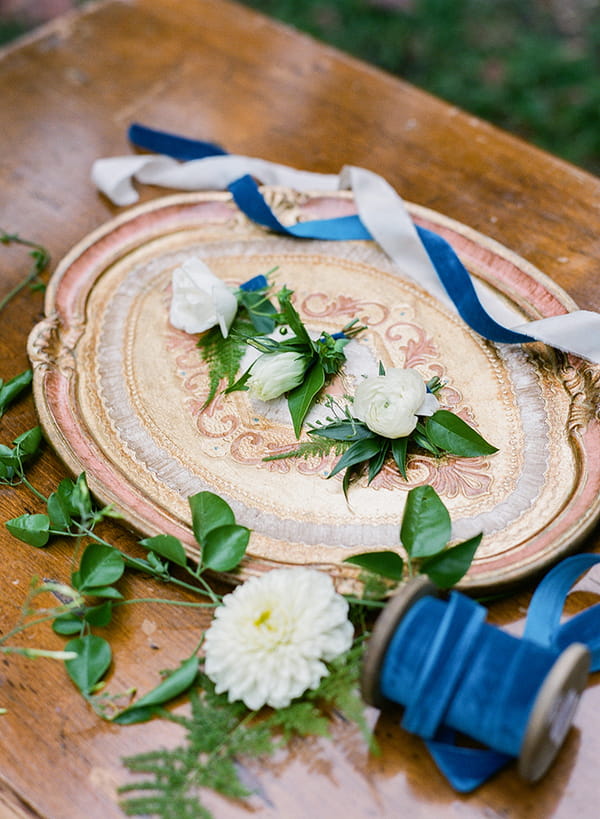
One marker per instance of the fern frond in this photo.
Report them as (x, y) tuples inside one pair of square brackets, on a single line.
[(317, 447), (224, 355), (220, 733)]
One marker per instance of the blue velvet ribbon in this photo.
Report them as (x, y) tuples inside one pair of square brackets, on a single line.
[(453, 672), (543, 624), (255, 283), (452, 273), (178, 147)]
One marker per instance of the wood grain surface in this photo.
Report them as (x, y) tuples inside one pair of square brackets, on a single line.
[(215, 70)]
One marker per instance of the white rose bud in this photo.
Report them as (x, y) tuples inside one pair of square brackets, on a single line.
[(389, 404), (273, 374), (200, 300)]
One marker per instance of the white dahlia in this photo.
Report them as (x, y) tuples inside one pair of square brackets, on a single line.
[(270, 638)]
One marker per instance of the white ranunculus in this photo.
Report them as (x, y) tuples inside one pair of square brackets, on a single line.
[(200, 300), (269, 641), (273, 374), (389, 404)]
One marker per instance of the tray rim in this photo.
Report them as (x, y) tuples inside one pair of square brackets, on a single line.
[(586, 376)]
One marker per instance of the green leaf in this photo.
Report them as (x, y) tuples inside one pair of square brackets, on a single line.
[(357, 453), (225, 547), (240, 384), (167, 546), (158, 564), (58, 512), (74, 498), (31, 529), (450, 433), (300, 718), (8, 456), (399, 448), (223, 355), (100, 615), (292, 318), (387, 564), (376, 462), (260, 310), (10, 390), (331, 353), (100, 566), (139, 564), (6, 473), (28, 443), (71, 623), (446, 568), (173, 686), (209, 511), (420, 438), (301, 397), (67, 624), (343, 431), (317, 447), (426, 525), (92, 661), (64, 492)]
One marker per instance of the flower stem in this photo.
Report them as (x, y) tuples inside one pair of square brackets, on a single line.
[(165, 601)]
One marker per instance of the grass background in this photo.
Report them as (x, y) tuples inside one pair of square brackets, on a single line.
[(529, 66)]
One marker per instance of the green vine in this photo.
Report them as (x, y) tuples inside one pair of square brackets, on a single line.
[(41, 260)]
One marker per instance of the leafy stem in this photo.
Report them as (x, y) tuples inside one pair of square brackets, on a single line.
[(39, 495), (41, 260), (425, 533), (164, 601), (159, 572)]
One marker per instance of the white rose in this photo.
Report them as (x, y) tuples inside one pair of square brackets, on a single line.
[(200, 300), (273, 374), (389, 404)]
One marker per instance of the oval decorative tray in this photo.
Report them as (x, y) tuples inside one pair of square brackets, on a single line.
[(120, 392)]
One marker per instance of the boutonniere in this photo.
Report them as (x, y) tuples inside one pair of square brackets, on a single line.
[(294, 364), (390, 412), (225, 317)]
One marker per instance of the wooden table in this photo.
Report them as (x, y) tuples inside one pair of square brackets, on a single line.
[(216, 70)]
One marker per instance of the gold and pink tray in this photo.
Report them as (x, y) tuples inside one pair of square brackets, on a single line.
[(120, 392)]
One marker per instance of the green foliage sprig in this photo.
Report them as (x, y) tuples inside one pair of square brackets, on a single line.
[(256, 316), (424, 535), (10, 390), (321, 358), (220, 735), (71, 513), (41, 260), (33, 615)]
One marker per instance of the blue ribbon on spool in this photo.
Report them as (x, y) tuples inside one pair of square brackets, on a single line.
[(453, 672)]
